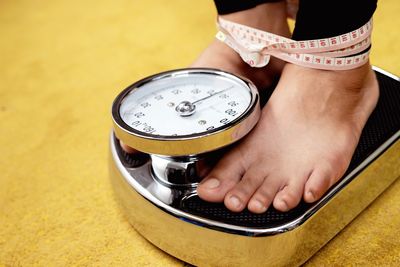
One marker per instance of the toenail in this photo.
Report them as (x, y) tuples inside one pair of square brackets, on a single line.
[(235, 201), (211, 183), (258, 205), (283, 204), (310, 196)]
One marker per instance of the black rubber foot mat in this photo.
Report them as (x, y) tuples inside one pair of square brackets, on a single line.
[(383, 123)]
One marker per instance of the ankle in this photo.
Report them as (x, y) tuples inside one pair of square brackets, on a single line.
[(269, 17), (351, 80)]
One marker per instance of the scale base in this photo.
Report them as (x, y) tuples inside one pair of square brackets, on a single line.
[(201, 233)]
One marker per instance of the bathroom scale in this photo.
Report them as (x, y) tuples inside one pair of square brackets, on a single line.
[(183, 121)]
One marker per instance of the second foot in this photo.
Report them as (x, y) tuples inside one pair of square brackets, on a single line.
[(302, 144), (269, 17)]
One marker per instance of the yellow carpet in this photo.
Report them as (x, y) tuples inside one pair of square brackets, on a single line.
[(61, 65)]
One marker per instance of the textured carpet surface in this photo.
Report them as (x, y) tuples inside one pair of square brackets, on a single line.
[(62, 63)]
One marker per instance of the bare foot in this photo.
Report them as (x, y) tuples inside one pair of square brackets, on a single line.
[(302, 144), (269, 17)]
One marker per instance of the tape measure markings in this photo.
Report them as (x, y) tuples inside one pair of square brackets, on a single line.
[(256, 47)]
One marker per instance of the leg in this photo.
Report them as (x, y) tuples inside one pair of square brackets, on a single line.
[(307, 133), (268, 17), (265, 16)]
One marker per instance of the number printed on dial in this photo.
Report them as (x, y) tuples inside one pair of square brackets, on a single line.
[(160, 107)]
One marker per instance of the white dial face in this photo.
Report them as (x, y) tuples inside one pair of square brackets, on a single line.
[(186, 104)]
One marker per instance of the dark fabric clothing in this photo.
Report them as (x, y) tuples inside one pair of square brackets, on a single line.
[(230, 6), (318, 19), (315, 18)]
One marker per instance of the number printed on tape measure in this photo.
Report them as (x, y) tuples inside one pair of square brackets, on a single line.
[(256, 46)]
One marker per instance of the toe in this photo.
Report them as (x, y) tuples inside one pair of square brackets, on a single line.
[(264, 195), (237, 198), (224, 176), (127, 148), (320, 180), (290, 195)]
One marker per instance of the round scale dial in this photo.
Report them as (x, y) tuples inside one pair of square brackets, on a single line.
[(180, 112)]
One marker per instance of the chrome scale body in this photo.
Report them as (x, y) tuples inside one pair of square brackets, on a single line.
[(153, 207)]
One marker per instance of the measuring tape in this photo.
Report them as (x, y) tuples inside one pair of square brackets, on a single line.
[(334, 53)]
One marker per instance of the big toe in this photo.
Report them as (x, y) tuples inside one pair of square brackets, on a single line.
[(225, 175)]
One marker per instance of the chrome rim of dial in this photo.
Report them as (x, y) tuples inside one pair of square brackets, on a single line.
[(185, 111)]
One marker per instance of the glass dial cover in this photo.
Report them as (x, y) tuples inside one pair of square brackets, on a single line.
[(184, 105)]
